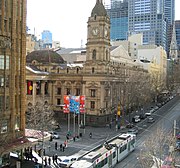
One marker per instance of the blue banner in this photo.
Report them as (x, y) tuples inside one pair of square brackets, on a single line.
[(74, 104)]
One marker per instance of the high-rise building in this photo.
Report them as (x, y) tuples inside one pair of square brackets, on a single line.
[(177, 28), (169, 14), (47, 39), (169, 11), (12, 74), (147, 17), (118, 12)]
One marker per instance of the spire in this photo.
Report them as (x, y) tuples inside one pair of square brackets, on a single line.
[(99, 1), (99, 9)]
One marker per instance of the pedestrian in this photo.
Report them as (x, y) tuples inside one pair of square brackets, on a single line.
[(55, 145), (53, 158), (61, 147), (74, 138), (110, 125), (90, 135), (56, 157), (65, 143), (49, 160), (67, 137)]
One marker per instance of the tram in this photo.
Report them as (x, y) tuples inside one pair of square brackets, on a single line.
[(108, 154)]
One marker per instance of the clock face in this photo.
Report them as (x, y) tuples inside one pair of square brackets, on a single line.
[(95, 31)]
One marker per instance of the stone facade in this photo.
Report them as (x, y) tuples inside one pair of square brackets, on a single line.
[(103, 78), (12, 69)]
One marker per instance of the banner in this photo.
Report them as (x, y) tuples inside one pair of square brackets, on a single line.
[(66, 104), (74, 104), (29, 87), (82, 104)]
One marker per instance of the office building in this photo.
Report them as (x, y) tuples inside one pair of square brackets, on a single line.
[(47, 39), (147, 17), (177, 28), (12, 75), (118, 12)]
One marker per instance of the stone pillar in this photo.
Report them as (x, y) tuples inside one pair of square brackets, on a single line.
[(34, 93), (42, 88)]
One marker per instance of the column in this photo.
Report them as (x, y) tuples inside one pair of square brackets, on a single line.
[(34, 93)]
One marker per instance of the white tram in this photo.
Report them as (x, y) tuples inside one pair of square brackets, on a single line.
[(108, 154)]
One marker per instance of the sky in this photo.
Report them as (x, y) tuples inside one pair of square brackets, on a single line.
[(65, 19)]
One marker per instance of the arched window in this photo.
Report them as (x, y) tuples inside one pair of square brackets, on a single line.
[(94, 55), (93, 70), (77, 70), (94, 17), (106, 54)]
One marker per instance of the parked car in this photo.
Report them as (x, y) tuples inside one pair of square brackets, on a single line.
[(133, 131), (129, 125), (178, 135), (55, 135), (148, 113), (136, 119), (177, 146), (150, 120)]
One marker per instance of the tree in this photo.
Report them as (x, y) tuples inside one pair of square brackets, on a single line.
[(156, 148), (40, 117)]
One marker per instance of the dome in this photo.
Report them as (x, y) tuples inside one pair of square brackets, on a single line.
[(44, 56), (99, 10)]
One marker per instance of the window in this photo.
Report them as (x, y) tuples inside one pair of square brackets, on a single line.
[(68, 91), (46, 88), (58, 101), (107, 55), (93, 92), (4, 126), (92, 104), (94, 55), (77, 92), (92, 70), (38, 88), (59, 91), (67, 70), (77, 70)]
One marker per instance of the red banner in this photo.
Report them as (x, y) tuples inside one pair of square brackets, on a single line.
[(82, 104), (29, 87), (66, 104)]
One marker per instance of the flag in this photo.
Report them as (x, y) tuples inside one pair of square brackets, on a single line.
[(66, 104), (29, 87)]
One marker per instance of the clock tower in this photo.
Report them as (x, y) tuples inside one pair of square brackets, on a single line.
[(98, 36)]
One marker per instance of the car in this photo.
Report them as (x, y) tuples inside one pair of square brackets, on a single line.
[(177, 146), (129, 125), (136, 119), (178, 135), (150, 120), (133, 131), (148, 113), (55, 135), (167, 163)]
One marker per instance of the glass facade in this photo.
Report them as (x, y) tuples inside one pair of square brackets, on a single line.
[(146, 16), (118, 13), (177, 27)]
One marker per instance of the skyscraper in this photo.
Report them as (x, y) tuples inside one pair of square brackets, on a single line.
[(118, 13), (47, 39), (147, 17), (177, 28)]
